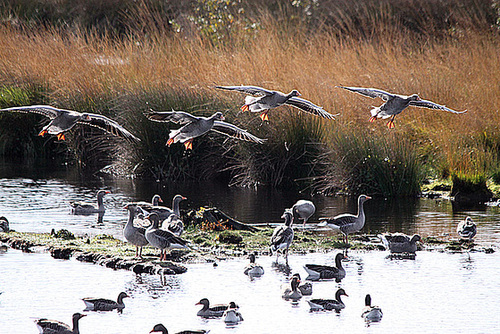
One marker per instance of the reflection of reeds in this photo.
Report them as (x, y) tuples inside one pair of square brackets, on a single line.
[(159, 69)]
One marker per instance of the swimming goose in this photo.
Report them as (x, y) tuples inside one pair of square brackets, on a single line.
[(371, 313), (317, 271), (82, 208), (328, 304), (467, 229), (283, 235), (305, 289), (196, 126), (46, 326), (162, 239), (395, 104), (347, 223), (268, 99), (400, 243), (101, 304), (214, 311), (63, 120), (290, 291), (4, 224), (253, 269), (133, 234), (303, 210), (162, 329), (232, 315)]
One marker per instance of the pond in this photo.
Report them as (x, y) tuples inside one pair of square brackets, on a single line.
[(437, 291)]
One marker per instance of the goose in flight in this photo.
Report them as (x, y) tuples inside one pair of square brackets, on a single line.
[(63, 120), (395, 104), (195, 126), (264, 100)]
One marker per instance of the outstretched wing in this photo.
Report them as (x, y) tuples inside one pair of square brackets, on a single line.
[(310, 107), (432, 105), (47, 111), (254, 90), (370, 92), (110, 126), (179, 117), (231, 130)]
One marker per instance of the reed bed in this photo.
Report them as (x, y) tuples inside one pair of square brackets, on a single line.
[(455, 64)]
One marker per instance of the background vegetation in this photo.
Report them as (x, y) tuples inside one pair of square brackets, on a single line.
[(123, 57)]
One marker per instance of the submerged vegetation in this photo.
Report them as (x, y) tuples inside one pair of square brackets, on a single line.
[(126, 57)]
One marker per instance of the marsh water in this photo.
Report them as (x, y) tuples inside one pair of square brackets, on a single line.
[(437, 292)]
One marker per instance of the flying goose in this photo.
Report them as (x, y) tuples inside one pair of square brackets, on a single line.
[(63, 120), (371, 313), (159, 328), (214, 311), (400, 243), (162, 239), (283, 235), (328, 304), (303, 210), (348, 223), (46, 326), (467, 229), (196, 126), (268, 99), (395, 104), (317, 271), (133, 234), (82, 208), (101, 304)]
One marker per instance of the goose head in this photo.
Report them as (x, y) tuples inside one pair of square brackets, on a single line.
[(218, 116), (340, 292), (414, 97), (154, 219), (363, 198), (294, 93), (368, 300), (156, 199), (121, 296), (159, 328), (85, 117), (288, 217), (101, 193), (415, 238), (252, 258)]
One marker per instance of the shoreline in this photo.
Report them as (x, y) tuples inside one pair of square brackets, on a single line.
[(206, 246)]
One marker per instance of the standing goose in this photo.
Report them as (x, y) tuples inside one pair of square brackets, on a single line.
[(101, 304), (46, 326), (395, 104), (467, 229), (159, 328), (135, 235), (196, 126), (328, 304), (291, 291), (268, 99), (253, 269), (163, 211), (371, 313), (283, 235), (162, 239), (303, 210), (214, 311), (348, 223), (82, 208), (63, 120), (317, 271), (400, 243)]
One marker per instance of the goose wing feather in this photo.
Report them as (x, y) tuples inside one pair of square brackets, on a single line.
[(231, 130), (47, 111), (370, 92), (309, 107), (109, 125), (178, 117), (432, 105), (254, 90)]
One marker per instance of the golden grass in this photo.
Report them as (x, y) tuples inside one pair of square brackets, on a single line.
[(461, 71)]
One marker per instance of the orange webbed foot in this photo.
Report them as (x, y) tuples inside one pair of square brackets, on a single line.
[(60, 136), (170, 141), (42, 133), (372, 119), (264, 116), (391, 125), (189, 145), (245, 107)]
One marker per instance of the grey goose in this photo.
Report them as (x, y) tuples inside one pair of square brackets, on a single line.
[(63, 120), (195, 126), (136, 235), (467, 229), (101, 304), (395, 104), (267, 99), (46, 326)]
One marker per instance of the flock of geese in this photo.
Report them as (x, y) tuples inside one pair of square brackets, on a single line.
[(164, 231), (259, 100), (164, 226)]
